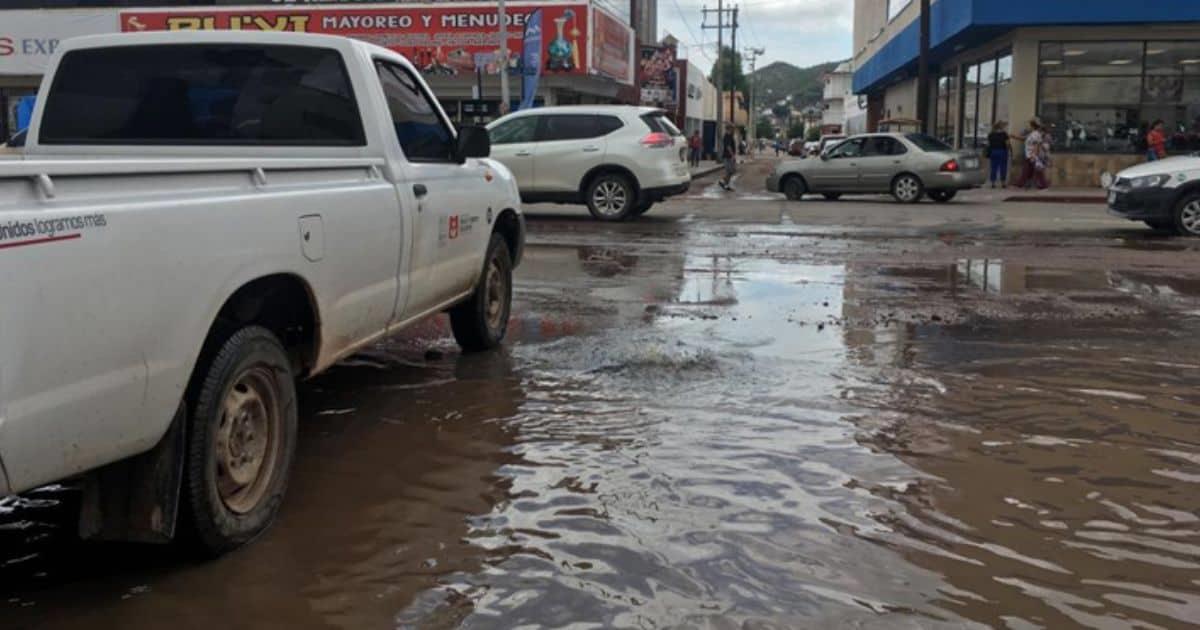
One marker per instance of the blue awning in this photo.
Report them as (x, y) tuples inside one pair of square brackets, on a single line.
[(958, 24)]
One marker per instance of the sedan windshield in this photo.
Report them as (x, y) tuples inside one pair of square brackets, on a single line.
[(927, 143)]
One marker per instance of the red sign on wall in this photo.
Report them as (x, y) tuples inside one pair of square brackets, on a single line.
[(612, 48), (439, 40)]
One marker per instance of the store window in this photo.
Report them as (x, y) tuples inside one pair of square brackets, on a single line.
[(1103, 96), (972, 100)]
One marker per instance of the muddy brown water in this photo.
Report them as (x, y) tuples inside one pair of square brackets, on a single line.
[(710, 426)]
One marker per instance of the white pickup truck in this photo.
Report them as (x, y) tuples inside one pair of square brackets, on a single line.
[(195, 221)]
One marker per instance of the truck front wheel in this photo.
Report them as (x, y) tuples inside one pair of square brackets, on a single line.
[(241, 441), (481, 322)]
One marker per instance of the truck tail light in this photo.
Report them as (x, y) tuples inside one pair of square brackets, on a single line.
[(658, 140), (950, 167)]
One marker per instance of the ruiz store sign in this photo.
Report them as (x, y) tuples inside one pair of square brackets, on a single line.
[(443, 39)]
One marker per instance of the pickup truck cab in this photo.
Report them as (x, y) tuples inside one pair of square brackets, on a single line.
[(195, 221), (1164, 194)]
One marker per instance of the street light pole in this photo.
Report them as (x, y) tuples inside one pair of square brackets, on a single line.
[(923, 70), (505, 98)]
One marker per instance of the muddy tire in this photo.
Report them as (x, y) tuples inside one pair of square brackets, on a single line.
[(942, 196), (240, 444), (611, 197), (480, 323), (794, 187), (908, 188), (1187, 215)]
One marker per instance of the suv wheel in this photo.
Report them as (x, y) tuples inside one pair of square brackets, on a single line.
[(610, 197), (795, 188), (1187, 215)]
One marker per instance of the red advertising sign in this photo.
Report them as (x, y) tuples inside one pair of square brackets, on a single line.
[(439, 39), (612, 47)]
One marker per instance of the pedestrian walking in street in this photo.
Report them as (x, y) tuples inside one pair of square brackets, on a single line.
[(1033, 170), (998, 154), (695, 147), (729, 149), (1156, 142)]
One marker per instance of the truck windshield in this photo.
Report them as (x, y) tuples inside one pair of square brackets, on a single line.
[(202, 94)]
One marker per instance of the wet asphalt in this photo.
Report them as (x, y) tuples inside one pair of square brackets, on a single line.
[(737, 412)]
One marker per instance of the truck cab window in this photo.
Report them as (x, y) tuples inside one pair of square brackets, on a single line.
[(423, 135)]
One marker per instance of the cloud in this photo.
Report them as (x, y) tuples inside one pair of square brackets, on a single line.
[(802, 32)]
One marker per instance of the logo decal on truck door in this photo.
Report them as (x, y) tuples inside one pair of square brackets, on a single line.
[(453, 231)]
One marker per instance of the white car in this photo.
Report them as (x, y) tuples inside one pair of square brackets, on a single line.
[(197, 220), (618, 160), (1165, 194)]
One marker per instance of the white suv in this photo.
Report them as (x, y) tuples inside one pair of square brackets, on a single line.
[(619, 160)]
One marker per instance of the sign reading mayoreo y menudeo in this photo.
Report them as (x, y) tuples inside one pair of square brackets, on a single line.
[(440, 38)]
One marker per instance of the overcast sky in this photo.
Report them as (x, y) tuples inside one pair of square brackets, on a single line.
[(800, 32)]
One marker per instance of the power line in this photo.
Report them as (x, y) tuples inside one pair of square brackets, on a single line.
[(688, 26)]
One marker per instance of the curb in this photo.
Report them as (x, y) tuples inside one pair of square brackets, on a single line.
[(705, 172)]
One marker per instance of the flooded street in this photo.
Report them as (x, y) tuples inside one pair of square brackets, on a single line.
[(737, 412)]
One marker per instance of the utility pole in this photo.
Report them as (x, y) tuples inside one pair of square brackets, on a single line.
[(505, 97), (721, 12), (923, 70), (754, 54), (733, 88)]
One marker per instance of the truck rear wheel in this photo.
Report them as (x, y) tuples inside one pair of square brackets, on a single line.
[(481, 322), (241, 442)]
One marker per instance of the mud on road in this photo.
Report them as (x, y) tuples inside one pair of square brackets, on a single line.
[(737, 412)]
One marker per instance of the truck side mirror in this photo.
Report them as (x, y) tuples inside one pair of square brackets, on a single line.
[(473, 142)]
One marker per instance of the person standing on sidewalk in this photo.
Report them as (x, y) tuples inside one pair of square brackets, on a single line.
[(1032, 172), (729, 149), (998, 154), (695, 146), (1156, 142)]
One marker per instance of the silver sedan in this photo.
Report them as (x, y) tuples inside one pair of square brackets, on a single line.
[(907, 165)]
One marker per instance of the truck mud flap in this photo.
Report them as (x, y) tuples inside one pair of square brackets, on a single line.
[(137, 500)]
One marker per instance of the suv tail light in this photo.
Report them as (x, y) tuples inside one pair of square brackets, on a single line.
[(950, 167), (658, 140)]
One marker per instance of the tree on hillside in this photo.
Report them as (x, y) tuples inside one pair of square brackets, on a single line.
[(781, 111), (814, 134), (796, 130), (764, 128), (732, 76)]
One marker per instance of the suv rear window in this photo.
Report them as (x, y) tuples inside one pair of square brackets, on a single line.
[(927, 143), (202, 94), (556, 127), (658, 122)]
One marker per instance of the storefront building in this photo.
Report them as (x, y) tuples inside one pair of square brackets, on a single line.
[(589, 46), (1095, 73)]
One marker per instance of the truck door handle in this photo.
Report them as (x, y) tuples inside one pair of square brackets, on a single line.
[(591, 149), (420, 190), (524, 154)]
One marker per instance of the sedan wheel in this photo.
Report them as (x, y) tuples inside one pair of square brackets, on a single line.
[(1187, 215), (795, 188), (908, 188)]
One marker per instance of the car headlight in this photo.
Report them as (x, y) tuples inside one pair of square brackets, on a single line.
[(1149, 181)]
